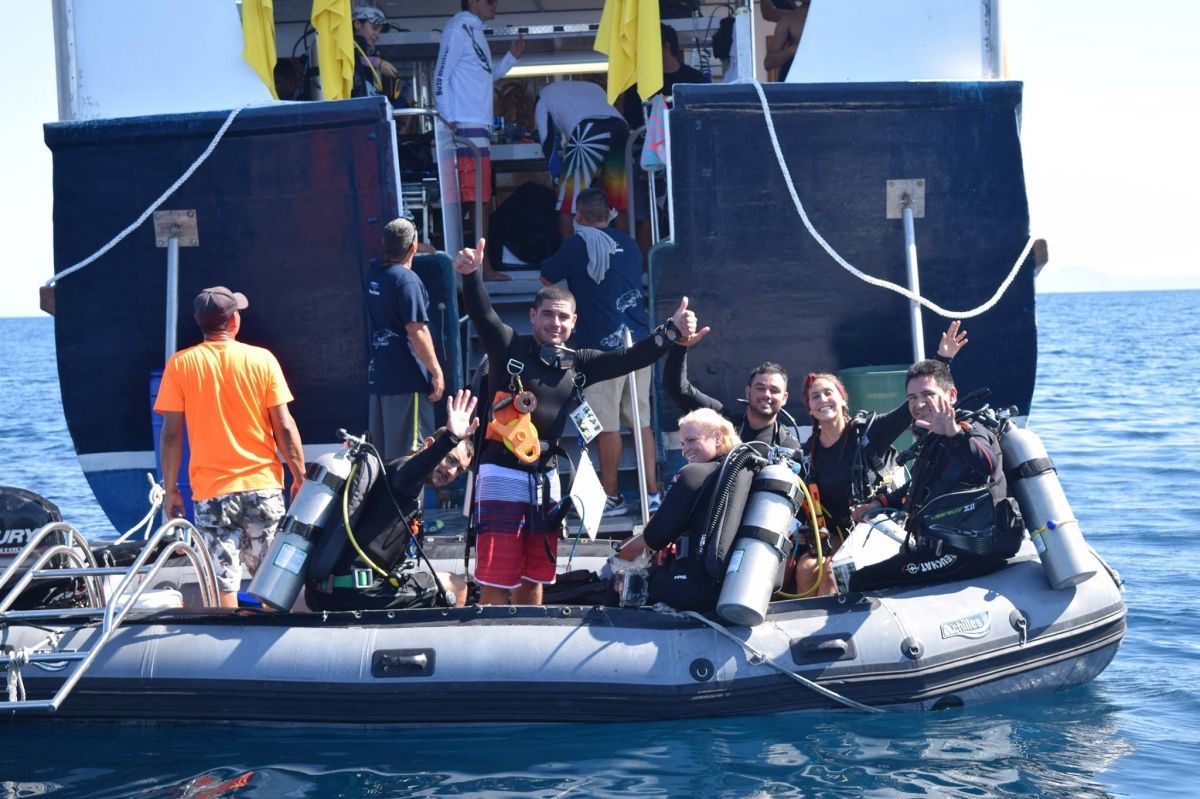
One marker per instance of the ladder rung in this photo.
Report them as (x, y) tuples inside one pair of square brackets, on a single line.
[(41, 704), (62, 613), (48, 657)]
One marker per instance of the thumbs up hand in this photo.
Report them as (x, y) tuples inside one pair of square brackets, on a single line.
[(684, 320), (467, 261)]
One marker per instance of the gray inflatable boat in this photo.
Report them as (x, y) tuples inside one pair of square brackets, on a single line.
[(1003, 636)]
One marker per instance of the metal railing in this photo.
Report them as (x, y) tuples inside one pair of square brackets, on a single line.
[(138, 577)]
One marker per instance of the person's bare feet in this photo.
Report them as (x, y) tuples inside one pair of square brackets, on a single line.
[(492, 274)]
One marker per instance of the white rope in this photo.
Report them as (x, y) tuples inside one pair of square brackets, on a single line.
[(22, 657), (761, 657), (156, 500), (874, 281), (155, 205)]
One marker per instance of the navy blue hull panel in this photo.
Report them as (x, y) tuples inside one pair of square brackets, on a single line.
[(290, 207), (753, 272)]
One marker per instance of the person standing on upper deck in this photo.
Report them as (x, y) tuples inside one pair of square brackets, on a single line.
[(462, 94), (235, 401)]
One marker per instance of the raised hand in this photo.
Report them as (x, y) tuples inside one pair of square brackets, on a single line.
[(467, 261), (941, 415), (517, 48), (460, 413), (694, 339), (952, 341), (684, 320)]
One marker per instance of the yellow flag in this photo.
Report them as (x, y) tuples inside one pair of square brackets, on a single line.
[(258, 30), (335, 47), (630, 36)]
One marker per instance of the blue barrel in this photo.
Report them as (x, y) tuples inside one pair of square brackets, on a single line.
[(156, 425)]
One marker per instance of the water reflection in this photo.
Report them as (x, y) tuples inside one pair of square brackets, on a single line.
[(1059, 747)]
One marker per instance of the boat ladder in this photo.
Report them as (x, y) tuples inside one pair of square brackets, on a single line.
[(58, 551)]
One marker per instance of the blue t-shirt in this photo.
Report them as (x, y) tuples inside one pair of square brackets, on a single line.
[(606, 308), (395, 297)]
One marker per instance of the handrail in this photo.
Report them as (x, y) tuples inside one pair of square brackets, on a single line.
[(64, 550), (123, 599), (72, 536)]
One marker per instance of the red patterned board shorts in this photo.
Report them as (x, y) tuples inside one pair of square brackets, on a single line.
[(467, 165), (514, 540)]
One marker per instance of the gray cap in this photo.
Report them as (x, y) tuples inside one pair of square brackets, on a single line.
[(215, 305)]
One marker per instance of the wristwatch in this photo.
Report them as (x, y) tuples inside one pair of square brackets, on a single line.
[(666, 333)]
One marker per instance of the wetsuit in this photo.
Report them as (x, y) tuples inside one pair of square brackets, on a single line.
[(969, 459), (510, 515), (690, 398), (680, 579), (388, 536), (833, 467)]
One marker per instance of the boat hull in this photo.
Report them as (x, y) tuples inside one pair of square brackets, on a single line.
[(928, 648)]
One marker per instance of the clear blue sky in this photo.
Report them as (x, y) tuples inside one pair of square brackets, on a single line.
[(1112, 92)]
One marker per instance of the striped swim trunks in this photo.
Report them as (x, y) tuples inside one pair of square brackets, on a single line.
[(514, 539)]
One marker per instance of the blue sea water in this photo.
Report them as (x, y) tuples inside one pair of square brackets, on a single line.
[(1115, 402)]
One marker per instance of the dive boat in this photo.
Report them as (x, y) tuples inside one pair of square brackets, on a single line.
[(787, 205), (1001, 637)]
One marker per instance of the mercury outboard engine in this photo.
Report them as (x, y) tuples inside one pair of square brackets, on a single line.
[(1034, 482), (23, 513), (282, 572), (756, 563)]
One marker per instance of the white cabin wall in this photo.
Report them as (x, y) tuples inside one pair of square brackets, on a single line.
[(886, 40), (137, 57)]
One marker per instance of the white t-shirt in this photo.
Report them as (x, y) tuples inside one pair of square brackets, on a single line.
[(463, 74), (568, 103)]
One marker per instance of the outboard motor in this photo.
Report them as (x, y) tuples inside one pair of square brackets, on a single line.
[(282, 572), (756, 564), (1034, 482)]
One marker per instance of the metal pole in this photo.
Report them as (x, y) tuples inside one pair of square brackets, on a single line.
[(914, 279), (172, 295), (643, 495)]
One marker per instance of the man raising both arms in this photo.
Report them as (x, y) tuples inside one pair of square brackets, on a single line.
[(534, 385)]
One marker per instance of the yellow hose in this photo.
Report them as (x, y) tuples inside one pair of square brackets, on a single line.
[(816, 533)]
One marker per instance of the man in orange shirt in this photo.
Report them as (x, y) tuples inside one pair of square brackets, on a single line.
[(234, 400)]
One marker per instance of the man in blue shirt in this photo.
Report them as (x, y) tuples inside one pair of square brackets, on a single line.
[(403, 363), (603, 269)]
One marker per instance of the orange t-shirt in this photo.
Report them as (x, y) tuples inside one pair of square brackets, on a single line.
[(224, 389)]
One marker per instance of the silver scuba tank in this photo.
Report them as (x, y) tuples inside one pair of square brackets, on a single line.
[(760, 549), (1044, 507), (281, 574)]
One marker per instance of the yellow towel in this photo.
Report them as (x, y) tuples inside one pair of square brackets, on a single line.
[(630, 36), (258, 31), (335, 47)]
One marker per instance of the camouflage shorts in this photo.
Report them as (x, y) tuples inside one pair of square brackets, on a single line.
[(238, 529)]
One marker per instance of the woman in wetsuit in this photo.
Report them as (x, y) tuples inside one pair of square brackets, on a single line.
[(846, 454), (677, 578)]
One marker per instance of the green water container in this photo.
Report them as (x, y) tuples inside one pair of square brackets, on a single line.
[(878, 389)]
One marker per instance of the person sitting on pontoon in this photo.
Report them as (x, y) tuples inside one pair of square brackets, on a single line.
[(388, 514), (679, 576)]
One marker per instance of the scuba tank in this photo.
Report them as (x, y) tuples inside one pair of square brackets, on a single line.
[(1033, 481), (756, 563), (282, 572)]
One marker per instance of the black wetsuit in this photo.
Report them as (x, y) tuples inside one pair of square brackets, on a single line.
[(690, 398), (832, 468), (553, 387), (379, 523), (682, 580), (967, 460)]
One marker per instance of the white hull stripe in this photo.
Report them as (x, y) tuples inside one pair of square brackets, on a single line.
[(144, 460)]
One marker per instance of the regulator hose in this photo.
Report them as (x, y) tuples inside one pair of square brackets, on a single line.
[(734, 462)]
